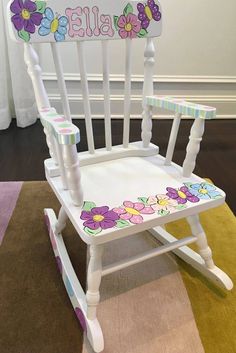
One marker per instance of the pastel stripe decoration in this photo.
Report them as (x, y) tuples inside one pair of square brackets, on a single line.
[(65, 132), (182, 107)]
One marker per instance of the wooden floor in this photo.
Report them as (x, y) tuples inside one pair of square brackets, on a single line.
[(22, 151)]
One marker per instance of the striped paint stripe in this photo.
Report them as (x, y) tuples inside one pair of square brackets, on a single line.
[(182, 107)]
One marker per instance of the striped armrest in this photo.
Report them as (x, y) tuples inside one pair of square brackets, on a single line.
[(182, 107), (65, 132)]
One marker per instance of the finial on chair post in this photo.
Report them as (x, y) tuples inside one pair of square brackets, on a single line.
[(148, 90)]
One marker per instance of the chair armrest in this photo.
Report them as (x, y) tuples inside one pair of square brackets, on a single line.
[(181, 107), (64, 131)]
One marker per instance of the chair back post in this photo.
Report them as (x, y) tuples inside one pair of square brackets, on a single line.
[(193, 147), (34, 70), (148, 90)]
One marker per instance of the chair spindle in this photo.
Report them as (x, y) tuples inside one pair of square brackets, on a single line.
[(193, 147), (106, 88), (34, 70), (85, 93), (61, 81), (172, 139), (127, 92), (148, 90)]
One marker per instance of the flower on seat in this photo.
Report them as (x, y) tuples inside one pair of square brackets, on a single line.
[(162, 203), (181, 195), (133, 211), (25, 16), (99, 217), (204, 191)]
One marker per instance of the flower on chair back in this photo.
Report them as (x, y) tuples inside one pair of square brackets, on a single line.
[(128, 24), (27, 15)]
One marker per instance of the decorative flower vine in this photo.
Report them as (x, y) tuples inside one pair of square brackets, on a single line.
[(27, 16), (128, 24), (97, 219)]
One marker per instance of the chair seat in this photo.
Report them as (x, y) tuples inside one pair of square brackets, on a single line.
[(133, 192)]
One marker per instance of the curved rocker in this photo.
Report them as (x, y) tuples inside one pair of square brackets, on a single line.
[(75, 292)]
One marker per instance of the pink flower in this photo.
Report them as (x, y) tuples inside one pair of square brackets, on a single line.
[(129, 26), (132, 211), (162, 203)]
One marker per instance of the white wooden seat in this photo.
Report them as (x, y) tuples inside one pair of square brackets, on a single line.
[(116, 191)]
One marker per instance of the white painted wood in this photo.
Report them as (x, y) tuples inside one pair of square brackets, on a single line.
[(204, 249), (85, 93), (35, 72), (107, 98), (149, 62), (125, 181), (102, 155), (94, 276), (72, 172), (61, 81), (60, 161), (147, 255), (172, 139), (216, 275), (193, 147), (78, 299), (91, 21), (127, 99), (61, 223)]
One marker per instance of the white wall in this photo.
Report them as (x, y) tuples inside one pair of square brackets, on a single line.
[(196, 59)]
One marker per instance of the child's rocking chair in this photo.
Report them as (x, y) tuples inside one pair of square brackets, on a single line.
[(116, 191)]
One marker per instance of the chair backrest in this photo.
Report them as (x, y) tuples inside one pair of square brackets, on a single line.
[(55, 21)]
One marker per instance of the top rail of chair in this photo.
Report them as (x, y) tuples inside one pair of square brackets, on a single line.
[(75, 20), (182, 107)]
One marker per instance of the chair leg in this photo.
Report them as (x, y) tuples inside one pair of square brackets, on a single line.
[(61, 223), (94, 276), (204, 249)]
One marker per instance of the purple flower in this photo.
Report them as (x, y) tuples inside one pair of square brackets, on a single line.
[(99, 217), (25, 16), (181, 195), (148, 12)]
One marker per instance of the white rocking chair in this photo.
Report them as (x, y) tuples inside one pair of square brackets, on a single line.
[(116, 191)]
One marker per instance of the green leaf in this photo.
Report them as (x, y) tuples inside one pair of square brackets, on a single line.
[(121, 223), (91, 231), (181, 206), (41, 5), (116, 18), (88, 205), (128, 9), (163, 212), (217, 196), (188, 184), (142, 33), (24, 35), (143, 199)]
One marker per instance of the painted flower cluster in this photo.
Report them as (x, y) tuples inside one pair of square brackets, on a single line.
[(97, 219), (130, 25), (31, 14)]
